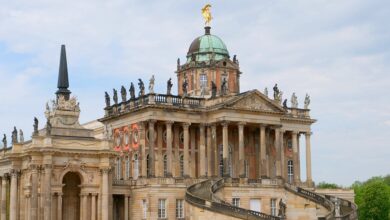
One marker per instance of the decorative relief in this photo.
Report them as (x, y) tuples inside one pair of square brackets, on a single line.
[(253, 103)]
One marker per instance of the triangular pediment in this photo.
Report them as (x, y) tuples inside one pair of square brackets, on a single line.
[(255, 100)]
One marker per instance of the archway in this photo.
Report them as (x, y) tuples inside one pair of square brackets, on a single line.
[(71, 196)]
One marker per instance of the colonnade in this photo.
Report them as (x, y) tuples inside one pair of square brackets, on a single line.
[(202, 145)]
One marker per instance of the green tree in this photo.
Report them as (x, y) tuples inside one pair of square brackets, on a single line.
[(325, 185), (373, 199)]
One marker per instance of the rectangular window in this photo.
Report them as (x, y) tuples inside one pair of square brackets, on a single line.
[(236, 202), (180, 208), (144, 209), (273, 207), (161, 208), (203, 80)]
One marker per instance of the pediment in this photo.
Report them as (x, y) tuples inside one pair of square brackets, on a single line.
[(254, 100)]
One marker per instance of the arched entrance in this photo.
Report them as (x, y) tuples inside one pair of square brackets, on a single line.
[(71, 196)]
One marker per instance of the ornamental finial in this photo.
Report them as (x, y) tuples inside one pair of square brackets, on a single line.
[(207, 14)]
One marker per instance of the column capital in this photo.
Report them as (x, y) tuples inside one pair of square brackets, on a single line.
[(241, 123), (152, 121), (84, 194), (225, 123), (295, 132), (186, 125), (263, 126), (105, 170), (141, 124), (94, 194), (203, 125), (169, 123), (308, 134)]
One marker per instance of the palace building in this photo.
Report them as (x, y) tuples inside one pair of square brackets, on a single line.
[(211, 151)]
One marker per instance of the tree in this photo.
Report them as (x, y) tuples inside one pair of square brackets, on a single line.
[(373, 199), (325, 185)]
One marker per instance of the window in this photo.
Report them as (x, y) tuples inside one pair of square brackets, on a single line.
[(147, 166), (180, 208), (144, 209), (289, 144), (273, 207), (127, 167), (135, 168), (118, 168), (165, 165), (290, 171), (236, 202), (162, 208), (203, 80), (181, 165)]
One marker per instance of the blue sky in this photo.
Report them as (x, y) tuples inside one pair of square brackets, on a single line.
[(337, 51)]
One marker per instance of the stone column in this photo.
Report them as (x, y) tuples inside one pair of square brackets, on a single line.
[(215, 162), (47, 192), (59, 206), (105, 194), (295, 156), (142, 144), (169, 147), (263, 151), (126, 214), (209, 152), (241, 152), (26, 207), (13, 195), (186, 149), (4, 196), (282, 156), (192, 168), (309, 179), (278, 158), (160, 158), (85, 206), (225, 153), (151, 148), (202, 149), (93, 206)]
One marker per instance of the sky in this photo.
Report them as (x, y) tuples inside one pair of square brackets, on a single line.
[(336, 51)]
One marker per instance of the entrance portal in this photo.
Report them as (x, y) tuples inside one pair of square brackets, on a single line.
[(71, 197)]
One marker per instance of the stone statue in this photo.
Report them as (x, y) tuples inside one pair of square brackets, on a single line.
[(285, 103), (294, 101), (169, 86), (282, 209), (307, 101), (337, 212), (141, 87), (224, 87), (151, 84), (276, 92), (213, 89), (132, 91), (185, 85), (107, 96), (124, 94), (4, 141), (21, 136), (266, 91), (48, 127), (35, 126), (115, 96), (280, 97), (178, 63), (14, 136), (47, 107)]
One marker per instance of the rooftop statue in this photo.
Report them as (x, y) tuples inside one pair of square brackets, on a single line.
[(169, 86), (35, 126), (294, 101), (266, 91), (14, 136), (151, 84), (280, 97), (108, 101), (207, 14), (285, 103), (48, 127), (307, 101), (115, 96), (4, 141), (178, 63), (124, 94), (213, 89), (132, 91), (276, 92), (185, 85), (141, 87), (21, 136)]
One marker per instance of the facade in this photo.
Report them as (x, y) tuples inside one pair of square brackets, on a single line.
[(211, 151)]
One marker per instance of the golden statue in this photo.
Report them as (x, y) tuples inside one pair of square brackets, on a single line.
[(207, 14)]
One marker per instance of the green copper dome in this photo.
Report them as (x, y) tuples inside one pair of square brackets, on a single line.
[(207, 47)]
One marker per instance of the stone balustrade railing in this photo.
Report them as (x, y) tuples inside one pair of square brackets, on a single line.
[(298, 112)]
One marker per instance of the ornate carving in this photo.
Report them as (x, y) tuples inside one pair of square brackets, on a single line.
[(169, 86), (307, 101), (132, 91), (14, 136), (294, 101), (141, 86), (35, 126), (123, 94), (107, 97), (115, 96), (151, 84), (21, 136), (67, 105), (252, 103)]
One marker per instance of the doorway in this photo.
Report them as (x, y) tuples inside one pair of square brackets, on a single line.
[(71, 196)]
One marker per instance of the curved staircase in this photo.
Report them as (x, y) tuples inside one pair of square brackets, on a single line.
[(203, 195)]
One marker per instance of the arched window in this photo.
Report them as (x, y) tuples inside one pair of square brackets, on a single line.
[(181, 165), (290, 171), (118, 168), (165, 165), (135, 167), (127, 167), (147, 166)]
